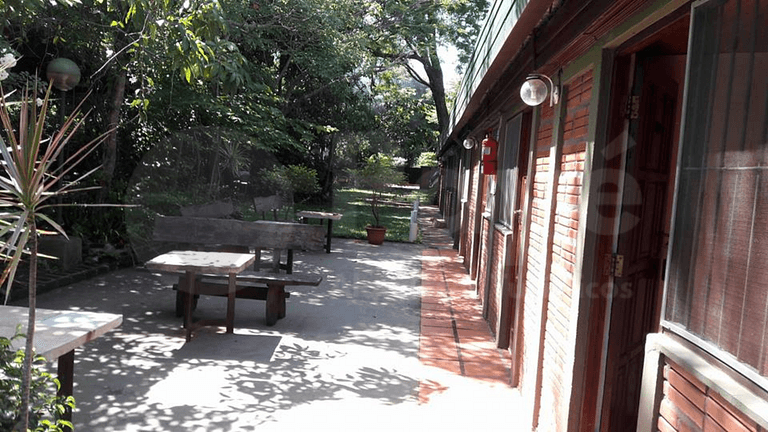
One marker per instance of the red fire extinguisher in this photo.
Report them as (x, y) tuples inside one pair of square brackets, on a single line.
[(490, 150)]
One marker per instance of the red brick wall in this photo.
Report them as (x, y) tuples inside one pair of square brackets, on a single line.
[(469, 233), (577, 117), (561, 314), (689, 405), (535, 264)]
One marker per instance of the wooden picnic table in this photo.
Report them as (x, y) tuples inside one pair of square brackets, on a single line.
[(232, 235), (330, 217), (57, 334), (201, 262)]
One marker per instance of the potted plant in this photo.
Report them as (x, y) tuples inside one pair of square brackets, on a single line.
[(378, 173), (32, 170)]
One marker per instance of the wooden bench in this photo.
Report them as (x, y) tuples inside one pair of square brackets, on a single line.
[(305, 216), (241, 236), (272, 203), (250, 285), (237, 235)]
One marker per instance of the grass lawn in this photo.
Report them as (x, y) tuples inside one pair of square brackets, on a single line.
[(395, 212)]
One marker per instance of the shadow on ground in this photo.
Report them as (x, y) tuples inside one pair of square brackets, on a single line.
[(351, 342)]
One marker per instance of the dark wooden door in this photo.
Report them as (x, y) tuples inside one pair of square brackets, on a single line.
[(514, 271), (642, 240), (511, 316)]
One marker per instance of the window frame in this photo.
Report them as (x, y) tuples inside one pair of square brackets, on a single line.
[(670, 323), (508, 169)]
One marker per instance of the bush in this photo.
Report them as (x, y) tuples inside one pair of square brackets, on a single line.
[(46, 409), (292, 180), (427, 159)]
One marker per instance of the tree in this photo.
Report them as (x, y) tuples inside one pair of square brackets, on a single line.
[(408, 33), (405, 116), (310, 58)]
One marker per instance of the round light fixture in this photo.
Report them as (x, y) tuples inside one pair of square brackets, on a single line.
[(469, 143), (63, 73), (533, 91)]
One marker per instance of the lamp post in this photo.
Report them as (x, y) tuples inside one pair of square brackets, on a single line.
[(64, 74)]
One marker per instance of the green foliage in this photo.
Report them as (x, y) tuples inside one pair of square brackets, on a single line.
[(291, 181), (427, 159), (46, 409), (32, 176), (34, 173), (296, 78), (378, 173), (394, 210), (406, 120), (408, 32)]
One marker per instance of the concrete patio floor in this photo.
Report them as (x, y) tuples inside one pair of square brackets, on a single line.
[(391, 340)]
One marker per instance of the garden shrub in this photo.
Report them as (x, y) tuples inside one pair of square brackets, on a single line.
[(292, 182), (46, 409)]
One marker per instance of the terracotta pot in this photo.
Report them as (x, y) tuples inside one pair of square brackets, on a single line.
[(376, 234)]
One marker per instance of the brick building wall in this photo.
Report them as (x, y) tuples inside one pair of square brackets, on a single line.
[(536, 254), (562, 307), (469, 232)]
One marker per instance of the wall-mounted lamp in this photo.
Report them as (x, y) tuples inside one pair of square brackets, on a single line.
[(534, 90), (469, 143)]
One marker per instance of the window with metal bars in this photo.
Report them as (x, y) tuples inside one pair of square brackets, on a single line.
[(717, 290)]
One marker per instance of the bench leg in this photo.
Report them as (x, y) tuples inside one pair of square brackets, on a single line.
[(328, 236), (231, 303), (190, 294), (181, 299), (289, 262), (277, 254), (257, 262), (66, 380), (281, 313), (275, 308)]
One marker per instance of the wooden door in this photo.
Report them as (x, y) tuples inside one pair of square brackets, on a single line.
[(513, 294), (514, 271), (637, 287)]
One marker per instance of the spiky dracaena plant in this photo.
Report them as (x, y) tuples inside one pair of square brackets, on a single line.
[(31, 175)]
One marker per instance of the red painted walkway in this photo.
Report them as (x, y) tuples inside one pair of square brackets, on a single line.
[(454, 336)]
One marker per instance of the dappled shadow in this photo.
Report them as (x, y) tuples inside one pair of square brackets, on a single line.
[(352, 339)]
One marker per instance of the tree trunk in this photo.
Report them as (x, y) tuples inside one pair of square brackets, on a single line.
[(29, 355), (328, 182), (437, 85), (110, 144)]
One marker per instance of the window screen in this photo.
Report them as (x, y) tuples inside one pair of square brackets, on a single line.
[(718, 273), (508, 169)]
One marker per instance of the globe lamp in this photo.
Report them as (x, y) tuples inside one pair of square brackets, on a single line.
[(63, 73)]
